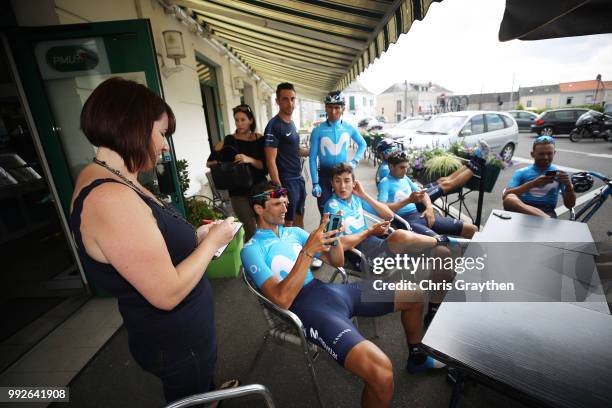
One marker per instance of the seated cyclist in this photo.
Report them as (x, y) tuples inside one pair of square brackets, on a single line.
[(535, 189), (387, 148), (402, 195), (277, 259), (350, 198)]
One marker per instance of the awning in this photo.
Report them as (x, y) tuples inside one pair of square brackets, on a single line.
[(542, 19), (318, 45)]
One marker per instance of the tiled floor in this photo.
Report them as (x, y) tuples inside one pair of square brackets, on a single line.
[(58, 358)]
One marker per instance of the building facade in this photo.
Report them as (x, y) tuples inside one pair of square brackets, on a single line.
[(405, 99), (360, 102), (540, 97)]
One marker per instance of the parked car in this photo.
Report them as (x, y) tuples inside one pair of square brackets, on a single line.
[(405, 128), (523, 118), (381, 119), (498, 129), (369, 124), (557, 121)]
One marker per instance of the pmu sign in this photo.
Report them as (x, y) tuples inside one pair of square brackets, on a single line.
[(72, 58), (69, 58)]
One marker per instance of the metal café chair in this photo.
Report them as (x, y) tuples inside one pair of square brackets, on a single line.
[(356, 262), (286, 326), (220, 395)]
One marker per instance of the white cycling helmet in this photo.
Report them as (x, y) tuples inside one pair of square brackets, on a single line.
[(335, 98)]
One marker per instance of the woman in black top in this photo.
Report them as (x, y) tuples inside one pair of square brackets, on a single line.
[(250, 149), (138, 248)]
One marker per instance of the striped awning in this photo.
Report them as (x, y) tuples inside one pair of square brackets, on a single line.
[(318, 45)]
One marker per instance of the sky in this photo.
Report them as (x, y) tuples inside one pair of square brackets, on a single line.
[(457, 47)]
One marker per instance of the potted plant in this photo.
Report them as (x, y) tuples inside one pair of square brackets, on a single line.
[(491, 173), (441, 165), (492, 168), (198, 210)]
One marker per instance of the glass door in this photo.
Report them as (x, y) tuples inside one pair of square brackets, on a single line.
[(40, 283), (61, 66)]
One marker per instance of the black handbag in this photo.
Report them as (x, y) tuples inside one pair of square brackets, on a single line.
[(229, 176)]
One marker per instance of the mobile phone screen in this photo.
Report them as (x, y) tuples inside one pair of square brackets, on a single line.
[(551, 173), (335, 222)]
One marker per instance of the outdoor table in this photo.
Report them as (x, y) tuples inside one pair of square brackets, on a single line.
[(553, 350)]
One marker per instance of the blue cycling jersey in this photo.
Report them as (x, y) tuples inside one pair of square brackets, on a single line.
[(267, 255), (544, 197), (391, 190), (353, 218), (383, 170), (329, 143)]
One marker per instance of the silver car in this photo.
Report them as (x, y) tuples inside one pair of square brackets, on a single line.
[(498, 129), (405, 128)]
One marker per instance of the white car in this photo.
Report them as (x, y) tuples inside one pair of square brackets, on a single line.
[(498, 129), (405, 128)]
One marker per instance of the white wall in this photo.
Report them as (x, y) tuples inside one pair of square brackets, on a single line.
[(361, 111), (539, 101), (181, 89)]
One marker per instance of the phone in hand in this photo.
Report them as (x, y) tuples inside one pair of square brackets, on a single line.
[(335, 222), (552, 172)]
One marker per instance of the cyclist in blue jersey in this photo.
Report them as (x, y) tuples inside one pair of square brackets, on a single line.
[(387, 148), (350, 198), (402, 195), (535, 189), (277, 259), (329, 144), (283, 152)]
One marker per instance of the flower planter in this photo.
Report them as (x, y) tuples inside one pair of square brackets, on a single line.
[(491, 175), (228, 264)]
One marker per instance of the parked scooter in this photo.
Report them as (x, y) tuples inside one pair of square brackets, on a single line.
[(592, 124)]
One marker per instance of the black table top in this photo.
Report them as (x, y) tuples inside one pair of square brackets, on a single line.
[(570, 235), (549, 352)]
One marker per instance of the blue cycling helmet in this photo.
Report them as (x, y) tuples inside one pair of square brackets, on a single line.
[(386, 147), (335, 98)]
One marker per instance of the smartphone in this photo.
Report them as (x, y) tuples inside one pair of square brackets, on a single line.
[(551, 173), (335, 222), (502, 215)]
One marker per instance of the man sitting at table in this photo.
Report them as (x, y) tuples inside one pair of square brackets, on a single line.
[(401, 195), (534, 190), (387, 148), (277, 259)]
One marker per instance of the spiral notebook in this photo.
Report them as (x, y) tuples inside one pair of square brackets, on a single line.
[(236, 226)]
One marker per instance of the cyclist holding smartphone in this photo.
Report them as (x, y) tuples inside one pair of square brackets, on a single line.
[(534, 190)]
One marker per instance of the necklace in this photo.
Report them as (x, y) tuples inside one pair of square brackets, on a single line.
[(129, 182), (160, 203)]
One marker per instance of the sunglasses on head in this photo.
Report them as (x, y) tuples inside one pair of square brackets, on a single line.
[(544, 139), (278, 193), (242, 108), (390, 151)]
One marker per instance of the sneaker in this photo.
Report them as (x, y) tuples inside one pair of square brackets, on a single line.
[(445, 240), (429, 364), (483, 150), (316, 263)]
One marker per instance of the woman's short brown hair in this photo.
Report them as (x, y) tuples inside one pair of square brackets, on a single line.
[(119, 115)]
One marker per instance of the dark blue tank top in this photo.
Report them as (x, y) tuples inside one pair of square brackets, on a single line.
[(191, 322)]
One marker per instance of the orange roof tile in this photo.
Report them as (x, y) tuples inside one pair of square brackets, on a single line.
[(581, 86)]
